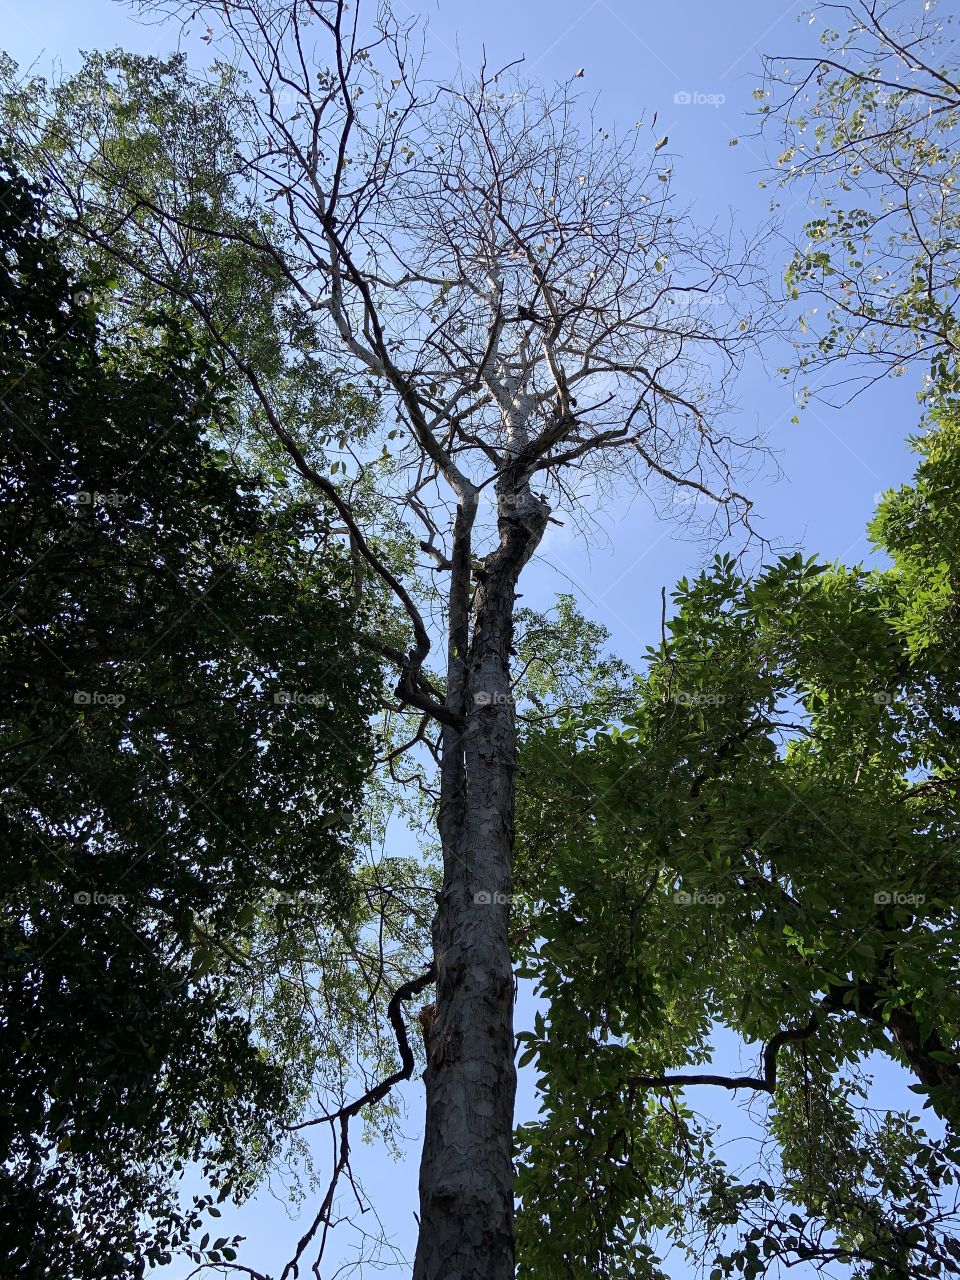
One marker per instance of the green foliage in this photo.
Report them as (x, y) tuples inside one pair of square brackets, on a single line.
[(129, 134), (870, 136), (560, 666), (184, 733), (768, 834)]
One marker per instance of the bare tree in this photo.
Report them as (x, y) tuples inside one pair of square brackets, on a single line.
[(513, 280)]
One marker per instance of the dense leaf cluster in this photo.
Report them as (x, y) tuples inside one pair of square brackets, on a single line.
[(766, 842), (184, 735)]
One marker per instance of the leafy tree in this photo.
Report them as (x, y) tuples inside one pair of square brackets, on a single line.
[(765, 842), (184, 736)]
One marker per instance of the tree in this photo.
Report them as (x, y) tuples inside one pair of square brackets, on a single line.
[(514, 281), (184, 742), (766, 841), (869, 131)]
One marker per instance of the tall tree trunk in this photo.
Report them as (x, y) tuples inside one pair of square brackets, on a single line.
[(466, 1171)]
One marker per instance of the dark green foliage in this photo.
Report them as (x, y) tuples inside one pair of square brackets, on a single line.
[(184, 731)]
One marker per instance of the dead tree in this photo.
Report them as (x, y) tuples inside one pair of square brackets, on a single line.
[(513, 280)]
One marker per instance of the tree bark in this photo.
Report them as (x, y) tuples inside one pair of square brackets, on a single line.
[(466, 1172), (918, 1047)]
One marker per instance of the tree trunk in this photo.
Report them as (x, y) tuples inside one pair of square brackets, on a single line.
[(466, 1171)]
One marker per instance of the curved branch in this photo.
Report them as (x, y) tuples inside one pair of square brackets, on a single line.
[(342, 1117), (766, 1083), (373, 1095)]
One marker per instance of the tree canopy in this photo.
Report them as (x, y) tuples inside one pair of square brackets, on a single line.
[(766, 843), (185, 733)]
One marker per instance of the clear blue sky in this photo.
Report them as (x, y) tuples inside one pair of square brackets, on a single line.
[(637, 57)]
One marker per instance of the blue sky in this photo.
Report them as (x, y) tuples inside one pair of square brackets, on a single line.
[(637, 57)]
